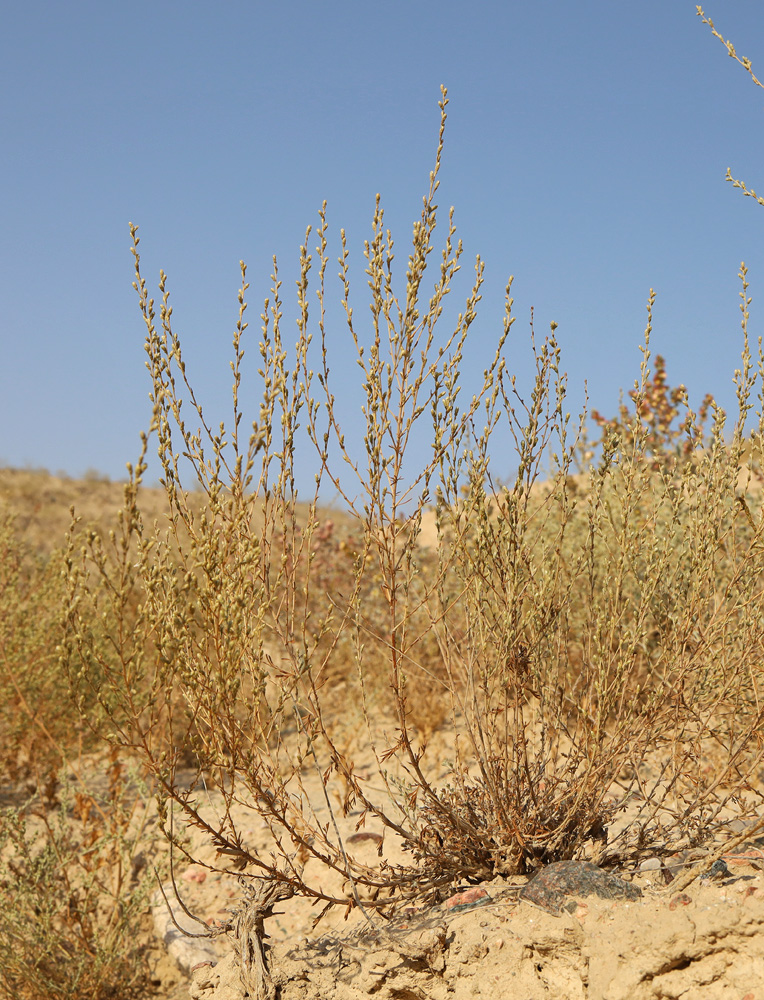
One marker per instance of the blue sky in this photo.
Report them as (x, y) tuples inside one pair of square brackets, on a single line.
[(585, 154)]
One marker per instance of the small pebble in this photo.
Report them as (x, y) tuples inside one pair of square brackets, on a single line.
[(465, 898), (577, 909), (651, 865), (681, 900), (717, 872), (195, 874), (362, 835)]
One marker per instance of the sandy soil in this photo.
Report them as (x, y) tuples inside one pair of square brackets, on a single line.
[(703, 943), (707, 942)]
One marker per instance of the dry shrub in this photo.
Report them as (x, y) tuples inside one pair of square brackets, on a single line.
[(593, 643), (606, 638), (74, 890), (35, 710), (72, 885)]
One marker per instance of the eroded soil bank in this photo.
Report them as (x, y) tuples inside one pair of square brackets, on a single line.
[(706, 943)]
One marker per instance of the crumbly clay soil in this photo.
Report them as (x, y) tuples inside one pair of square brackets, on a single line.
[(704, 942), (707, 944)]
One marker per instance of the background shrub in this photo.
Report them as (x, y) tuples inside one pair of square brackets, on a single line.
[(589, 638)]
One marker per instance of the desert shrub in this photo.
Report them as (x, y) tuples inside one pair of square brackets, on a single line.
[(602, 624), (665, 439), (74, 888), (590, 640), (41, 725), (72, 882), (37, 717)]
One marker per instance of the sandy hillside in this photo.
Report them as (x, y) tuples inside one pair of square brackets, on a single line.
[(701, 943)]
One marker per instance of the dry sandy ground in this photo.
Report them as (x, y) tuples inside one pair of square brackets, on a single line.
[(704, 943), (710, 948)]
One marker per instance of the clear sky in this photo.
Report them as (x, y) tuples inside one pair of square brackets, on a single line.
[(585, 154)]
